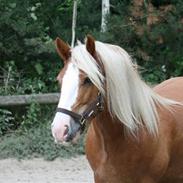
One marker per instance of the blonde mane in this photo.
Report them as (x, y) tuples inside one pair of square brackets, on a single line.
[(129, 99)]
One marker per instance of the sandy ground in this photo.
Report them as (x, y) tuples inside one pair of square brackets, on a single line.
[(74, 170)]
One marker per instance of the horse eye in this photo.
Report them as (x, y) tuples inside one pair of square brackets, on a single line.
[(87, 81)]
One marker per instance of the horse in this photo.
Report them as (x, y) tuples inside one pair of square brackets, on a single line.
[(135, 132)]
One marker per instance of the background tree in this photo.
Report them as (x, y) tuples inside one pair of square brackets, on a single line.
[(105, 13), (74, 17)]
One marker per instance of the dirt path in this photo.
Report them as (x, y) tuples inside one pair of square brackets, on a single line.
[(74, 170)]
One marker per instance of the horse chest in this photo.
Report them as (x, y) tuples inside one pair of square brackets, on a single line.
[(117, 166), (126, 162)]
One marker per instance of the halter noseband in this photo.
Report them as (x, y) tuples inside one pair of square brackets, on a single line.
[(91, 112)]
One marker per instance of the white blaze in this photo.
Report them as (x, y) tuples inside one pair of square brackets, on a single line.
[(69, 88), (69, 92)]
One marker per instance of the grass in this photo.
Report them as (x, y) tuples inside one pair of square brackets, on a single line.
[(33, 138), (36, 143)]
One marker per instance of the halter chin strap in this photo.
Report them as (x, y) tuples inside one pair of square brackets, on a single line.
[(91, 112)]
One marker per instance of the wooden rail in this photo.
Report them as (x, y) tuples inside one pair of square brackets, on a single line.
[(16, 100)]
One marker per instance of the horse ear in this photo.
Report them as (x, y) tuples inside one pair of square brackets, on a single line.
[(63, 49), (90, 44)]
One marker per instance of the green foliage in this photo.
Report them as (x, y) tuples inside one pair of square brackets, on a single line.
[(29, 28), (37, 142), (24, 39), (14, 81), (157, 46), (6, 121), (32, 118), (34, 139), (158, 3), (9, 77)]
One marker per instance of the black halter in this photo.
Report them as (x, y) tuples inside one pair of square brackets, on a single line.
[(91, 112)]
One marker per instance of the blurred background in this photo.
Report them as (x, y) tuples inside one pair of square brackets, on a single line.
[(151, 31)]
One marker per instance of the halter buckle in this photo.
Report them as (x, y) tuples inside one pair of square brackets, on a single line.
[(82, 121)]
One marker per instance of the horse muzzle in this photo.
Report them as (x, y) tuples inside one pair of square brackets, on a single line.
[(64, 128)]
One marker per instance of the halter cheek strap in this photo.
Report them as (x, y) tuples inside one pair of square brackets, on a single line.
[(91, 112)]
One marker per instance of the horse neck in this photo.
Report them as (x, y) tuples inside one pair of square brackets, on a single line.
[(108, 130)]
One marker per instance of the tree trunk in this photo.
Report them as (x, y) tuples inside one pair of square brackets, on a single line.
[(74, 17), (105, 13)]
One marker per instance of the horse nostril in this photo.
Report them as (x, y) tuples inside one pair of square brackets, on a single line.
[(66, 130)]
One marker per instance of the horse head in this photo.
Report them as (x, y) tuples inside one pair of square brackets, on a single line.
[(80, 99)]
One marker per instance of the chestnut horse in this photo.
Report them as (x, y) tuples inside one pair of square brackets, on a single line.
[(135, 133)]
